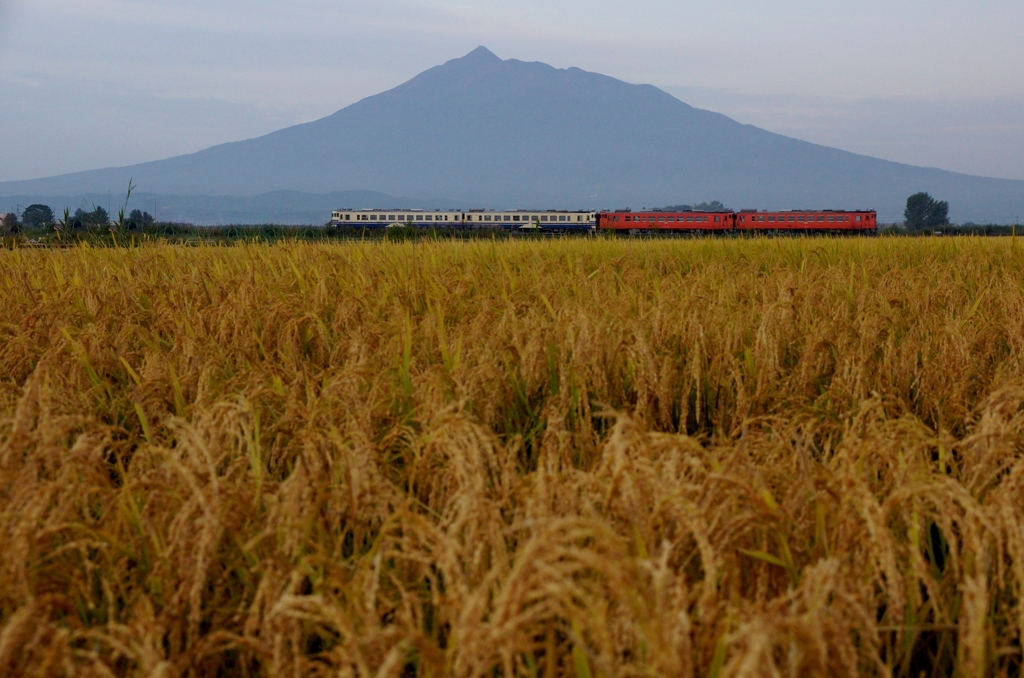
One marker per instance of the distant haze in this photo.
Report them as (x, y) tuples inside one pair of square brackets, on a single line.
[(482, 131)]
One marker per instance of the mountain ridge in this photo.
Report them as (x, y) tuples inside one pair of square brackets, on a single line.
[(485, 132)]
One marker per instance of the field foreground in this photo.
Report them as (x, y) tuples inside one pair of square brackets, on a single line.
[(792, 457)]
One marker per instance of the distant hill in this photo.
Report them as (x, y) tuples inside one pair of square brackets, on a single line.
[(480, 131)]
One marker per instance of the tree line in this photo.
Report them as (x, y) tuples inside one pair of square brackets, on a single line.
[(923, 212), (42, 216)]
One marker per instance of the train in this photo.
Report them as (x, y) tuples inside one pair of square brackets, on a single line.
[(837, 222)]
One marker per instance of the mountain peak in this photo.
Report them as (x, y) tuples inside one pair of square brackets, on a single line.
[(481, 55)]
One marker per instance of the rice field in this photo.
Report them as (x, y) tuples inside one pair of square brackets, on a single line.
[(571, 458)]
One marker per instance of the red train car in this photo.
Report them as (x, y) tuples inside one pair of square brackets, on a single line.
[(669, 222), (838, 221)]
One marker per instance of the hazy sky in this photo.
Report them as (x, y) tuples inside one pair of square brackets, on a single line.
[(96, 83)]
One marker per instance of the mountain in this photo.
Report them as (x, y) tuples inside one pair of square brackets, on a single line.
[(483, 131)]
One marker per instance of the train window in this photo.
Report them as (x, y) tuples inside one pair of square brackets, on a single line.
[(858, 217), (717, 218), (789, 218), (543, 218), (831, 218), (515, 218), (760, 218), (821, 218), (563, 218), (771, 218)]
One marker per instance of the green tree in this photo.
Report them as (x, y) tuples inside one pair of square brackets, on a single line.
[(924, 211), (139, 219), (10, 223), (99, 216), (939, 215), (37, 215)]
